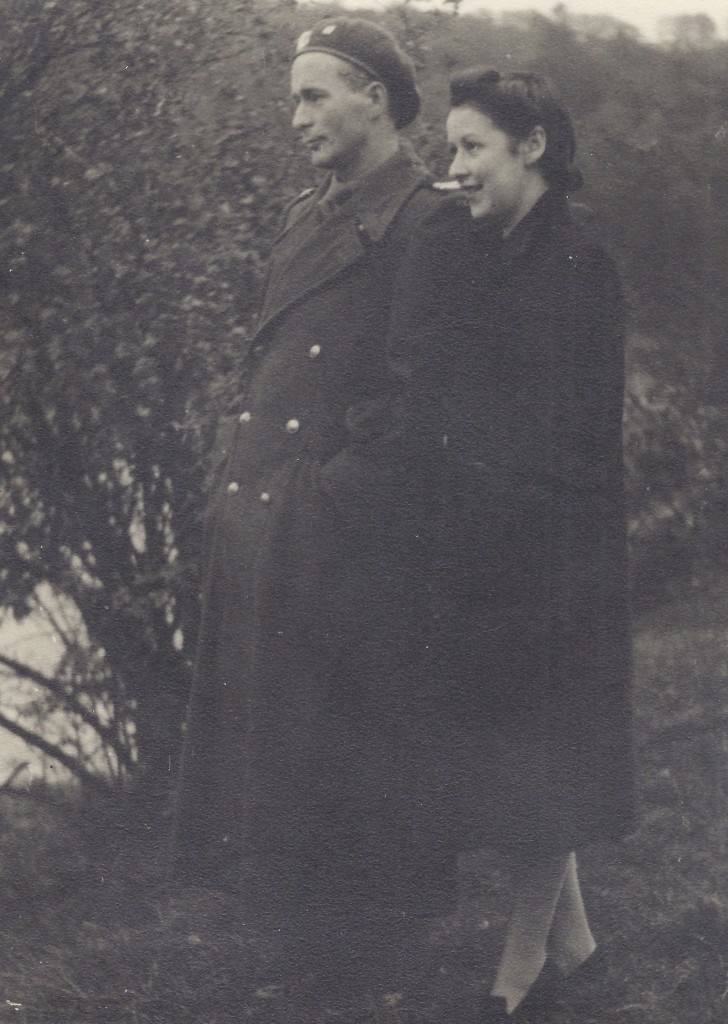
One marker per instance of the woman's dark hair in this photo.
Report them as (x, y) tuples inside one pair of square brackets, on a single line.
[(517, 102)]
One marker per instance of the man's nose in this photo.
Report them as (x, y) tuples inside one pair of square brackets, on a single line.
[(301, 118)]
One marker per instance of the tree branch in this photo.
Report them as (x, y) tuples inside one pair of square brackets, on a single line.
[(54, 686), (7, 785), (54, 751)]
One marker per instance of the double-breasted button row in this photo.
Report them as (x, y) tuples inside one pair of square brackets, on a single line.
[(292, 426), (314, 352), (234, 487)]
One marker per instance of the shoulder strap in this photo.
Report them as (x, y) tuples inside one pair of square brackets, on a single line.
[(294, 209)]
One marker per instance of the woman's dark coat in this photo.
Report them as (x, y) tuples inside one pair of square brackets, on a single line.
[(514, 354), (311, 620)]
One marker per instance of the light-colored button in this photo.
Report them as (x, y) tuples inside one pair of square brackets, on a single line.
[(233, 487), (265, 498), (244, 417), (293, 426), (315, 351)]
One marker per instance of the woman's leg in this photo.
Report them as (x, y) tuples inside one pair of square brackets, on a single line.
[(570, 942), (537, 886)]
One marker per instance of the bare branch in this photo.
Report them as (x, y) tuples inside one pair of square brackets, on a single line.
[(65, 629), (7, 785), (56, 687), (96, 782)]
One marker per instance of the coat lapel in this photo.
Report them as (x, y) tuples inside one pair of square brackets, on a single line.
[(308, 258), (318, 249)]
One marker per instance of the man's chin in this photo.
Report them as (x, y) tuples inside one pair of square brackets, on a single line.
[(320, 158)]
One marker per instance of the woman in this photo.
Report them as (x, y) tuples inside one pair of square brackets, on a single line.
[(511, 332)]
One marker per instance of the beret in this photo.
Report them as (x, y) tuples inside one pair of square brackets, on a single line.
[(373, 49)]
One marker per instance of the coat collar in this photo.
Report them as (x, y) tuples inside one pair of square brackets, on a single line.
[(544, 221), (318, 246), (380, 196)]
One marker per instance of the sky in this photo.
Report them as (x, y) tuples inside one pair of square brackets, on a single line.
[(644, 14)]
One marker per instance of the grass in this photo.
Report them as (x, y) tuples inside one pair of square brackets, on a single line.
[(87, 940)]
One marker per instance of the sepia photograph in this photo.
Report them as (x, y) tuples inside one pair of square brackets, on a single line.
[(364, 512)]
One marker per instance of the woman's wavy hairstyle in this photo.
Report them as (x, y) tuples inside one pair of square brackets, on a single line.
[(517, 102)]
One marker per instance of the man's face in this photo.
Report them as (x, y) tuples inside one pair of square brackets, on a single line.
[(333, 121)]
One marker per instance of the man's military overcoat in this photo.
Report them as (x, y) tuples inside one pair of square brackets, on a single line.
[(311, 624)]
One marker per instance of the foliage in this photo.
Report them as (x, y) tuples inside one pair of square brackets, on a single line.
[(677, 467), (131, 226), (146, 159)]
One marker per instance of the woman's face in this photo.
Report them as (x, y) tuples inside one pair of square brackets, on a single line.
[(495, 172)]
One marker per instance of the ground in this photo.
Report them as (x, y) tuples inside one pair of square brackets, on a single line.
[(89, 941)]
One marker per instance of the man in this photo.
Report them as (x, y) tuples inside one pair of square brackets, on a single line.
[(300, 782)]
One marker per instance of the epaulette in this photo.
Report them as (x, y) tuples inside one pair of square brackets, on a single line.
[(286, 221), (306, 194), (303, 195)]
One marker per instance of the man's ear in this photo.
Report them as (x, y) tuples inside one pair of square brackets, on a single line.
[(534, 147), (378, 98)]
